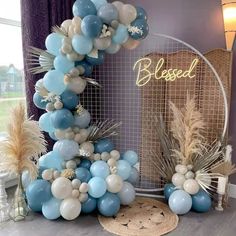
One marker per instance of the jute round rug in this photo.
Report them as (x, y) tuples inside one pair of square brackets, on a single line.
[(142, 218)]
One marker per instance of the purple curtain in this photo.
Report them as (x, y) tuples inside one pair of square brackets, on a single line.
[(37, 17)]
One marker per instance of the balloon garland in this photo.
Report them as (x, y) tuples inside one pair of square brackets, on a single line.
[(83, 172)]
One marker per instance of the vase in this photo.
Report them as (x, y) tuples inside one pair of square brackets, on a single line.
[(4, 206), (19, 209)]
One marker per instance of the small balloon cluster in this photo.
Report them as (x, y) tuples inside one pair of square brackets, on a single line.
[(83, 172)]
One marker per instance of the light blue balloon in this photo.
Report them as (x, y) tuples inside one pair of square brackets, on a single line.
[(201, 201), (100, 169), (25, 178), (83, 174), (68, 149), (97, 187), (53, 43), (113, 48), (51, 160), (127, 194), (51, 209), (91, 26), (108, 12), (109, 204), (121, 35), (131, 157), (99, 3), (103, 145), (82, 120), (39, 101), (69, 99), (83, 8), (53, 81), (180, 202), (62, 119), (53, 136), (61, 63), (123, 169), (38, 192), (89, 205), (81, 44), (45, 123), (134, 176)]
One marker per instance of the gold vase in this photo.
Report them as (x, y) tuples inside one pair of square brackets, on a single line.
[(19, 209)]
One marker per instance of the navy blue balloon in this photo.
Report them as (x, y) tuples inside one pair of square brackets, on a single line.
[(62, 119), (168, 190), (141, 13), (38, 101), (89, 206), (142, 25), (83, 8), (85, 163), (91, 26), (96, 61), (201, 201), (69, 99), (83, 174), (87, 67), (103, 145), (109, 204)]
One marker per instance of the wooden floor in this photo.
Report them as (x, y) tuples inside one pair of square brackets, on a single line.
[(209, 224)]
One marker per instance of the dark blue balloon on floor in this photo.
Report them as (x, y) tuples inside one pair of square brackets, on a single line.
[(83, 174), (109, 204), (201, 201), (85, 163), (142, 25), (38, 101), (38, 192), (83, 8), (89, 206), (96, 60), (103, 145), (141, 13), (168, 190), (69, 99), (88, 68), (91, 26)]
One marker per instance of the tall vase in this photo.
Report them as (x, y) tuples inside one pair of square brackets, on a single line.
[(4, 206), (19, 209)]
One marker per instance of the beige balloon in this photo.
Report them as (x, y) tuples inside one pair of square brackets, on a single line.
[(61, 188), (191, 186), (66, 24), (118, 5), (70, 208), (131, 44), (127, 14), (114, 183), (102, 43)]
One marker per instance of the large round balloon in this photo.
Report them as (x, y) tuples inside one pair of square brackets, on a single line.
[(100, 169), (82, 44), (103, 145), (89, 205), (131, 157), (83, 8), (51, 209), (53, 43), (69, 99), (91, 26), (39, 101), (108, 13), (127, 14), (61, 188), (114, 183), (83, 174), (61, 63), (70, 208), (168, 190), (123, 169), (45, 123), (127, 193), (134, 176), (82, 119), (142, 27), (201, 201), (97, 187)]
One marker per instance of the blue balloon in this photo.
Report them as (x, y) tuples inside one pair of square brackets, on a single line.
[(108, 12), (103, 145), (91, 26), (89, 205), (82, 120), (109, 204), (69, 99), (82, 44), (38, 192), (100, 169), (201, 201), (53, 81), (51, 160), (97, 187), (121, 35), (88, 69), (45, 123), (51, 209), (83, 8), (168, 190), (62, 119), (96, 60), (180, 202), (142, 25), (53, 43), (38, 101), (83, 174), (61, 63), (99, 3), (141, 13), (131, 157), (123, 169), (134, 176), (85, 163)]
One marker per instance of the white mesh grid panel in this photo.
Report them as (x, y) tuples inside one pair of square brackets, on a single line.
[(120, 99)]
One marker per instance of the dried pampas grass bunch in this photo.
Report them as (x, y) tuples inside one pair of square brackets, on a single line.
[(24, 143)]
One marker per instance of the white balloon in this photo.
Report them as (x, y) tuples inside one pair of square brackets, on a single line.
[(76, 21), (102, 43), (70, 208), (127, 14), (115, 155), (83, 197), (56, 174), (105, 156), (182, 169), (77, 85), (60, 134), (87, 147), (84, 188), (66, 48), (118, 5), (71, 31), (71, 164), (47, 174), (127, 194), (66, 24), (189, 175), (75, 193), (178, 180), (61, 188), (76, 183), (84, 133), (114, 183), (111, 162), (191, 186)]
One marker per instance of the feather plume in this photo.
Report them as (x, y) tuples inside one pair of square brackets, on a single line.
[(24, 143)]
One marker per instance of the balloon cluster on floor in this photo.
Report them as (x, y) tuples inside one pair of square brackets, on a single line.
[(83, 172)]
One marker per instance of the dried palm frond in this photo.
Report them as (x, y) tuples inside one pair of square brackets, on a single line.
[(103, 129), (225, 168), (40, 60), (186, 127), (24, 143), (59, 30)]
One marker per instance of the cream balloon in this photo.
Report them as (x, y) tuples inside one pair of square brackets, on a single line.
[(87, 148), (118, 5), (84, 188), (131, 44), (66, 24), (60, 134), (66, 48), (77, 85), (83, 197), (191, 186), (71, 164), (102, 43), (182, 169), (189, 175), (76, 21), (84, 134), (70, 208), (47, 174), (105, 156), (114, 183), (178, 179), (115, 155), (71, 31), (127, 14), (61, 188), (76, 183)]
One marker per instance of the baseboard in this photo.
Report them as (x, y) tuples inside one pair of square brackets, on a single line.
[(232, 190)]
